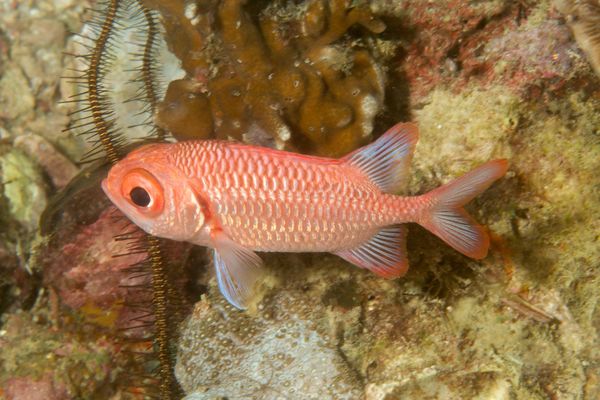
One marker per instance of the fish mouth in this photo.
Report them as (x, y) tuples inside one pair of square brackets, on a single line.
[(105, 189)]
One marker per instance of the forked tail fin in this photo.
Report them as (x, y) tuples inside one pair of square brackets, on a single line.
[(447, 219)]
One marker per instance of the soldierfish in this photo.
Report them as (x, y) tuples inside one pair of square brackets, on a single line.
[(238, 199)]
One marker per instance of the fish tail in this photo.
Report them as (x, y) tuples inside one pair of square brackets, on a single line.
[(445, 216)]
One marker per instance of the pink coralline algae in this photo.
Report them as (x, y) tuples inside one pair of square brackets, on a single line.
[(523, 57), (94, 281), (447, 38), (455, 44), (27, 388)]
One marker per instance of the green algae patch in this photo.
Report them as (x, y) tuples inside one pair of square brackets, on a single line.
[(460, 130), (36, 354), (555, 231)]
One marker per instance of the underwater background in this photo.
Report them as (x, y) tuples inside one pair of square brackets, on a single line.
[(91, 308)]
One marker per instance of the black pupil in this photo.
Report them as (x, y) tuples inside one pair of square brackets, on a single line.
[(139, 196)]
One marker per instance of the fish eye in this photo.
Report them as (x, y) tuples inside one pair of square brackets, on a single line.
[(143, 191), (139, 196)]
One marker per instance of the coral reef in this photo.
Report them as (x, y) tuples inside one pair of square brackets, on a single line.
[(482, 79), (291, 79), (523, 322), (520, 324)]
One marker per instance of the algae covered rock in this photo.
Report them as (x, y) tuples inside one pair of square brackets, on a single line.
[(16, 98), (583, 18), (478, 129), (23, 187), (38, 361), (279, 353)]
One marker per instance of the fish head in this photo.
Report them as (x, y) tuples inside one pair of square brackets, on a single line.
[(154, 194)]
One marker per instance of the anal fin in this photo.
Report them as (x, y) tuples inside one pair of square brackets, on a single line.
[(384, 254), (237, 269)]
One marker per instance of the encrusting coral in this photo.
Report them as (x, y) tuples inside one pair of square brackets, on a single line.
[(278, 353), (284, 80)]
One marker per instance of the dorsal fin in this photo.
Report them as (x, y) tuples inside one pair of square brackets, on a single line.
[(386, 161)]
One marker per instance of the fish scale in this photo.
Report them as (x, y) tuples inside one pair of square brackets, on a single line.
[(292, 198)]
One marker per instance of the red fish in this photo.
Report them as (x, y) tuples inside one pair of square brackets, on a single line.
[(238, 199)]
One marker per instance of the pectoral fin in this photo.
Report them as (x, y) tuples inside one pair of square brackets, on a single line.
[(238, 270)]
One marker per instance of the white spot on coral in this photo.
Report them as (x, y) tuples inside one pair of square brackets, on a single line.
[(284, 133), (370, 107), (191, 10)]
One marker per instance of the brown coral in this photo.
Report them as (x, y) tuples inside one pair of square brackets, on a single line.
[(263, 80)]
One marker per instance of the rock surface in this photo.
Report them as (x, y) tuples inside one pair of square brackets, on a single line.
[(280, 352)]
